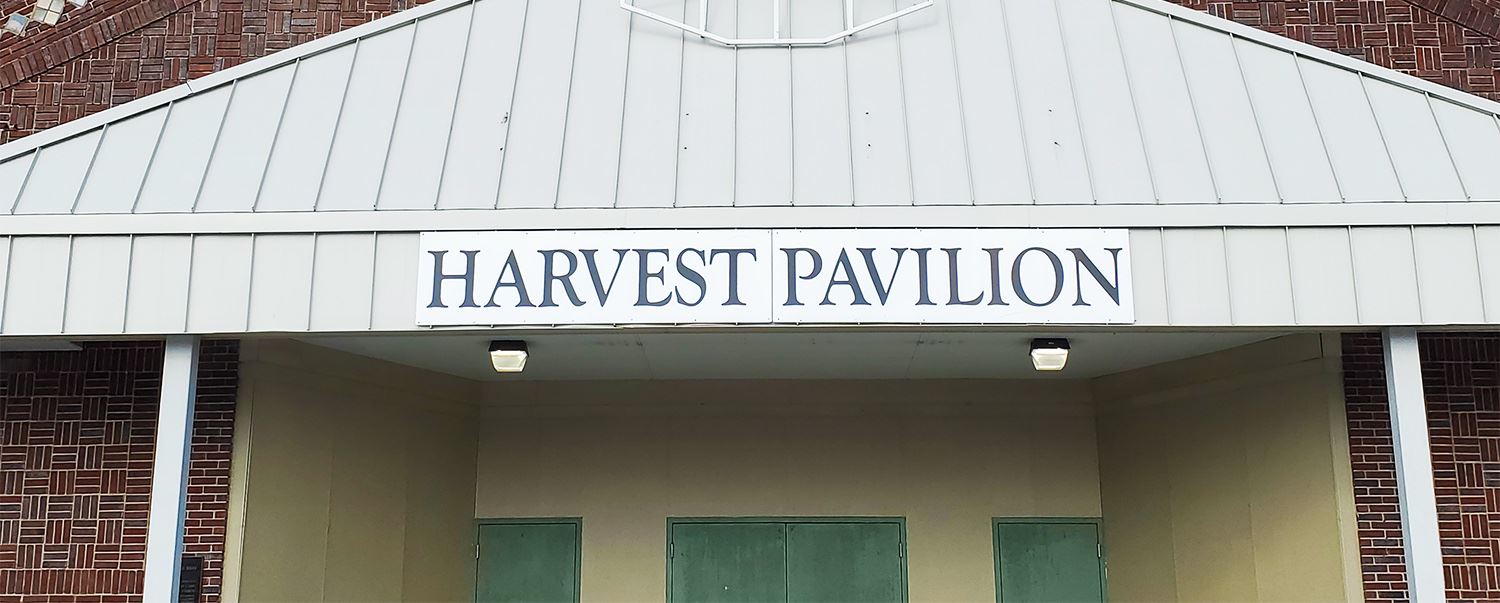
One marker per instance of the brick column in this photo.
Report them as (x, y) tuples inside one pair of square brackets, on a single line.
[(1461, 377), (76, 441)]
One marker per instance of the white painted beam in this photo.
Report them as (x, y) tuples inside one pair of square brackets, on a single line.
[(1419, 524), (174, 437)]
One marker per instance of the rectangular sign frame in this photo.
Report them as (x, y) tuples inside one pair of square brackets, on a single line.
[(981, 276)]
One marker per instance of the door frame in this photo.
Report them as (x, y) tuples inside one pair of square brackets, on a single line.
[(899, 521), (1098, 523), (577, 522)]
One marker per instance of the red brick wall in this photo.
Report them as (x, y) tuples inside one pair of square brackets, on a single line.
[(1451, 42), (1461, 378), (77, 431), (68, 74)]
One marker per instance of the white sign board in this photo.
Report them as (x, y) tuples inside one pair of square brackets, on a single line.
[(874, 276)]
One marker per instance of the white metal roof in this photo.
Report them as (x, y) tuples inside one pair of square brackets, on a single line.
[(484, 104)]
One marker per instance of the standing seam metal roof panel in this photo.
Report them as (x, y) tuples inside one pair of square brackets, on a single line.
[(990, 102)]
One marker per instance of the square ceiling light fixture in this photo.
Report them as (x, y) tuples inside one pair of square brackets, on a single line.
[(1049, 354), (47, 12), (508, 356), (16, 24)]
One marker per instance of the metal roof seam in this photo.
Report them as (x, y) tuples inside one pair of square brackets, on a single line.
[(89, 170), (265, 168), (10, 246), (1291, 286), (390, 140), (1260, 134), (1083, 138), (911, 173), (1228, 275), (213, 147), (1484, 306), (677, 115), (1208, 161), (562, 151), (1447, 148), (62, 322), (21, 190), (1135, 110), (958, 86), (151, 159), (125, 294), (849, 128), (1318, 126), (1416, 273), (463, 67), (510, 109), (338, 117), (1015, 90), (1353, 276), (1385, 144)]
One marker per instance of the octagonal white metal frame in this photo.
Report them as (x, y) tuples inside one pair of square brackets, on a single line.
[(775, 41)]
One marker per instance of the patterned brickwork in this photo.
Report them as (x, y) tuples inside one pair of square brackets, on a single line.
[(157, 46), (77, 433), (1451, 42), (1461, 380), (1373, 461)]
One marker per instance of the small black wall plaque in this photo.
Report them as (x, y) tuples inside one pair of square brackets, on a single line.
[(190, 584)]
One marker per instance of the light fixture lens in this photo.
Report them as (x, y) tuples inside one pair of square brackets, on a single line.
[(508, 356), (1049, 354)]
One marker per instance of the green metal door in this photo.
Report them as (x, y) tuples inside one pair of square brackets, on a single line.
[(844, 563), (1048, 562), (728, 563), (528, 562), (786, 560)]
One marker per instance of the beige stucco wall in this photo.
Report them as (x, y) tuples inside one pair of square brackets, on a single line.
[(354, 480), (1226, 478), (1223, 477), (947, 455)]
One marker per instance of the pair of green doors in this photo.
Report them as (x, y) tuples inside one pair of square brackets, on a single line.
[(777, 561)]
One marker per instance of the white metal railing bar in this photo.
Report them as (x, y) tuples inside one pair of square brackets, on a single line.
[(775, 41)]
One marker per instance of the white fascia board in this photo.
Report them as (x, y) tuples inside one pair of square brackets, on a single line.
[(214, 80), (1056, 216)]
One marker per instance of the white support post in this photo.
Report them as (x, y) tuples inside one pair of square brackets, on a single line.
[(174, 437), (1419, 525)]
